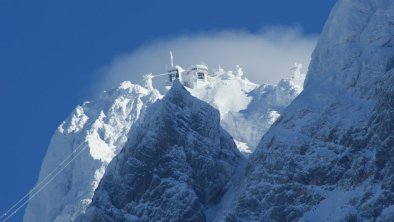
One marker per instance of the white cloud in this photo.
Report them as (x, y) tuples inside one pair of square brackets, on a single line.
[(265, 56)]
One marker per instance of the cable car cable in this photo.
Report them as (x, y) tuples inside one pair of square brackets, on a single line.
[(33, 192)]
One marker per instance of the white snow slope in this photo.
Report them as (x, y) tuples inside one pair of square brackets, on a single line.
[(247, 110), (102, 126), (329, 156)]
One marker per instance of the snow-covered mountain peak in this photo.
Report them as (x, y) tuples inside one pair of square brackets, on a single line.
[(176, 164), (102, 127), (246, 110)]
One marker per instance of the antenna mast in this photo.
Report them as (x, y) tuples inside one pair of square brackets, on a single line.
[(172, 59)]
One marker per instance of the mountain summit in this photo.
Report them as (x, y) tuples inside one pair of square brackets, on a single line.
[(101, 128), (177, 163)]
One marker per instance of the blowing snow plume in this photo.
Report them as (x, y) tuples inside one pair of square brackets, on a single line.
[(265, 56)]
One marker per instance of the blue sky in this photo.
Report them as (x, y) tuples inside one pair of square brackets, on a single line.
[(51, 51)]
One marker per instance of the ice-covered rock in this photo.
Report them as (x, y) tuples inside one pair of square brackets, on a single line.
[(102, 127), (329, 156), (177, 162), (247, 110)]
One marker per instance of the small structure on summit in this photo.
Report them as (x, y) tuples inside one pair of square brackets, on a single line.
[(193, 77), (174, 72)]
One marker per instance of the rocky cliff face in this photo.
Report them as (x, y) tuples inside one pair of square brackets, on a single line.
[(329, 157), (177, 163)]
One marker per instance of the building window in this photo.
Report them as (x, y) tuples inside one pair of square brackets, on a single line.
[(200, 75)]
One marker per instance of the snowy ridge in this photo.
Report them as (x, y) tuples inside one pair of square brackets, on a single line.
[(177, 162), (102, 126), (247, 110), (329, 155)]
